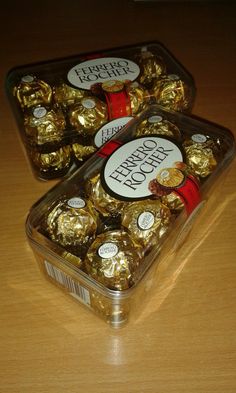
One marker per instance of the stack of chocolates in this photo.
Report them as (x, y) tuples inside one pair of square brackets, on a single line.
[(110, 236), (97, 233), (67, 114)]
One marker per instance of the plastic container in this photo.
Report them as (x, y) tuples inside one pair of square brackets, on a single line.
[(67, 108), (142, 168)]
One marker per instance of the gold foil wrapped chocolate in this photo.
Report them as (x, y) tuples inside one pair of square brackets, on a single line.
[(146, 221), (73, 259), (82, 152), (113, 260), (138, 97), (113, 313), (103, 202), (201, 154), (172, 92), (54, 161), (173, 202), (100, 304), (156, 125), (66, 95), (43, 125), (32, 91), (88, 115), (72, 222), (170, 177), (113, 86), (151, 67), (165, 183)]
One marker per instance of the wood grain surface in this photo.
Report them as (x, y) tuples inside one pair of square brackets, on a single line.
[(183, 341)]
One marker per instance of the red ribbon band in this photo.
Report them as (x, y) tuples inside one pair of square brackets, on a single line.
[(189, 194)]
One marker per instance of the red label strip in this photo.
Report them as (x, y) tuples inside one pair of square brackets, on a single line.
[(108, 148), (118, 104), (92, 56), (189, 194)]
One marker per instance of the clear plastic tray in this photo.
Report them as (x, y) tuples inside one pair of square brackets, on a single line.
[(141, 191), (67, 108)]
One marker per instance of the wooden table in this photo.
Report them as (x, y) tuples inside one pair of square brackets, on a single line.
[(183, 341)]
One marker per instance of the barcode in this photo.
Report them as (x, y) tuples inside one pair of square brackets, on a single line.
[(74, 288)]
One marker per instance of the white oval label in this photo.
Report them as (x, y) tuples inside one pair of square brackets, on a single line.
[(129, 169), (88, 103), (108, 250), (39, 112), (110, 129), (199, 138), (27, 78), (154, 119), (76, 202), (145, 220), (85, 74), (173, 77), (165, 174)]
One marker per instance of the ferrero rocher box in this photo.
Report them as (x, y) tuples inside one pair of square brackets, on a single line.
[(101, 234), (66, 109)]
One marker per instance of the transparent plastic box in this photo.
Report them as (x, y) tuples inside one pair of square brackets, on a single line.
[(67, 108), (142, 192)]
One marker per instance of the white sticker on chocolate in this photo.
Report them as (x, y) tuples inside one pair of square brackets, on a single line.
[(146, 220), (27, 78), (90, 72), (108, 250), (154, 119), (76, 202), (165, 174), (39, 112), (88, 103), (173, 77), (198, 138)]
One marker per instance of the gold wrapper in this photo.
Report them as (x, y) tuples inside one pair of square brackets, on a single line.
[(201, 154), (113, 260), (72, 222), (44, 125), (172, 92), (186, 170), (54, 161), (201, 161), (113, 86), (151, 67), (113, 313), (146, 221), (73, 259), (173, 202), (32, 91), (170, 177), (156, 125), (66, 95), (88, 115), (82, 152), (103, 202), (100, 304), (138, 96), (204, 142)]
